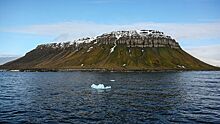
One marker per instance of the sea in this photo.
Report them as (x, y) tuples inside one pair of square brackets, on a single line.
[(134, 97)]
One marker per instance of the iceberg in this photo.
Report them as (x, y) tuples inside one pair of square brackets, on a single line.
[(100, 87)]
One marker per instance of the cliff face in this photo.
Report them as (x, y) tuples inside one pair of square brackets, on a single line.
[(142, 38), (118, 50)]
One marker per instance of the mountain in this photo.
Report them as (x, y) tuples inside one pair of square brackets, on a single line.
[(146, 50), (5, 59)]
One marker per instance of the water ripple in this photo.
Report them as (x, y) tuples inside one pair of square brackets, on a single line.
[(66, 97)]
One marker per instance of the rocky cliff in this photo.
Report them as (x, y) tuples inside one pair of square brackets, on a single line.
[(142, 38)]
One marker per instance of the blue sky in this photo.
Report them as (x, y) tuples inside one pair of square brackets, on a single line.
[(26, 23)]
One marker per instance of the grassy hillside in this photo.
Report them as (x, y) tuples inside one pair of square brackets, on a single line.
[(99, 57)]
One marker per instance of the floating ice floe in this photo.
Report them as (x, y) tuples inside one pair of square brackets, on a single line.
[(112, 80), (100, 87)]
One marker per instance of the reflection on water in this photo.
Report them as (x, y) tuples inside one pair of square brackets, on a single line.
[(66, 97)]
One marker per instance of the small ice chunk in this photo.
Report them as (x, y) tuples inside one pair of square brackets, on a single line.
[(112, 80), (100, 87)]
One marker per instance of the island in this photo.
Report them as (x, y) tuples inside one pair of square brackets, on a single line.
[(132, 50)]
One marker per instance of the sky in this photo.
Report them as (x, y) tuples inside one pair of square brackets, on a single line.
[(24, 24)]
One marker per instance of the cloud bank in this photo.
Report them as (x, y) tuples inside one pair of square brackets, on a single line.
[(74, 30), (209, 54)]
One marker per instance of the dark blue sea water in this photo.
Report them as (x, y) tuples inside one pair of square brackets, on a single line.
[(66, 97)]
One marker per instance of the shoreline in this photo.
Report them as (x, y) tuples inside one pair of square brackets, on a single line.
[(104, 70)]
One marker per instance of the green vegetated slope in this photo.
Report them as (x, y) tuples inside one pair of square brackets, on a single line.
[(100, 57)]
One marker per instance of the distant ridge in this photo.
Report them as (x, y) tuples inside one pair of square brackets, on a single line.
[(136, 50), (5, 59)]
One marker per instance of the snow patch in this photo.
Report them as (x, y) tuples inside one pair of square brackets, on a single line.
[(100, 87), (119, 34), (181, 66), (83, 40), (113, 48), (90, 48), (142, 33)]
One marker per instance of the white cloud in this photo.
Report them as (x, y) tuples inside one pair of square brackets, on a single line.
[(75, 30), (209, 54), (2, 55)]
